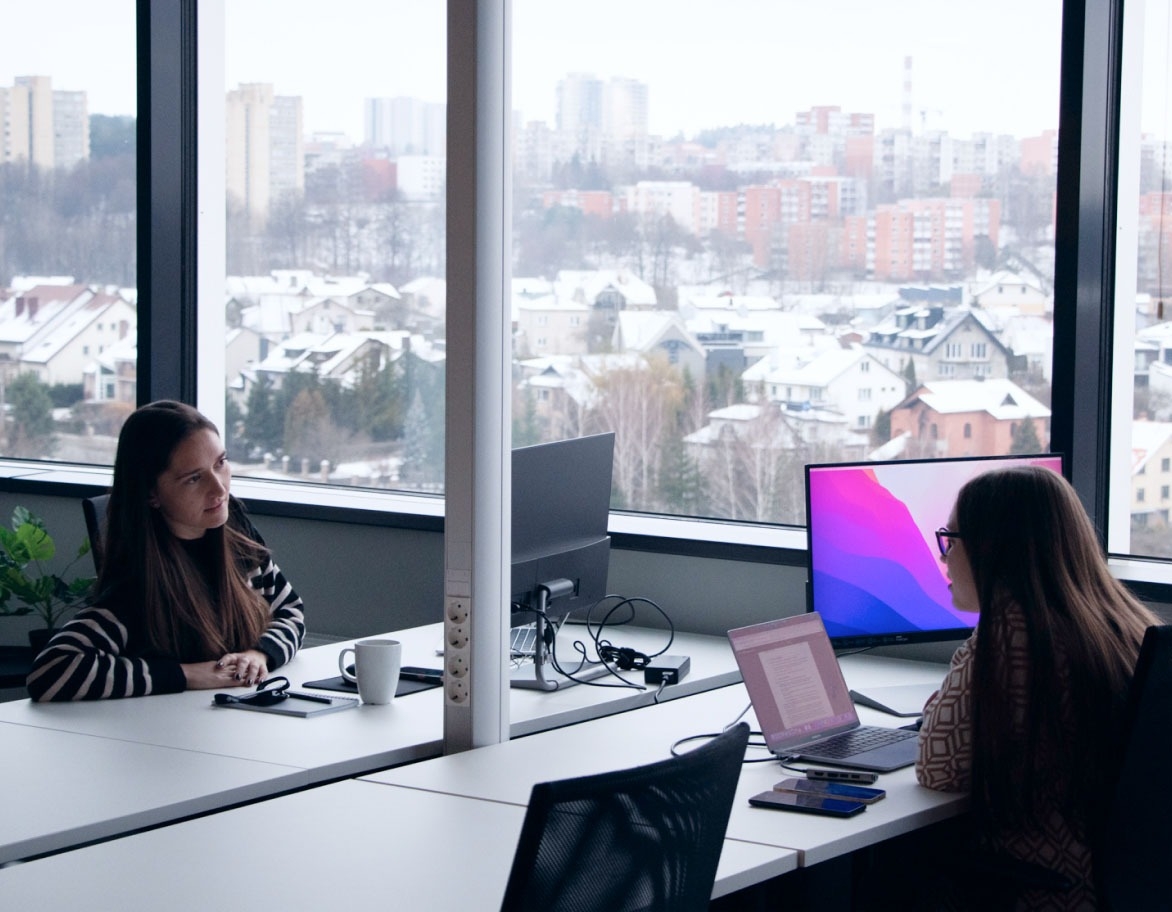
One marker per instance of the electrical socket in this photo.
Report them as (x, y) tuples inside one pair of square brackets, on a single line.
[(456, 609), (457, 636), (457, 664), (456, 690)]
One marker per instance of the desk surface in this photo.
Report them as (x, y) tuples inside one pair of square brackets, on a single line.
[(359, 740), (229, 755), (350, 845), (507, 772), (61, 788)]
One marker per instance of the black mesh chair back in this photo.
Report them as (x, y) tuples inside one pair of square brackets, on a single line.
[(646, 838), (94, 510), (1133, 860)]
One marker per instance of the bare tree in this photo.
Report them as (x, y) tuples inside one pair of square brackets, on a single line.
[(637, 402)]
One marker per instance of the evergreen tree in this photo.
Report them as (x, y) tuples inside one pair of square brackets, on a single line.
[(263, 425), (1025, 438), (681, 483), (31, 433), (909, 374), (526, 430)]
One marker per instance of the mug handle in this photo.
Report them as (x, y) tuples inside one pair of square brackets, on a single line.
[(342, 663)]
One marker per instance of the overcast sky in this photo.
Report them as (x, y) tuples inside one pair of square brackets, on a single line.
[(705, 64)]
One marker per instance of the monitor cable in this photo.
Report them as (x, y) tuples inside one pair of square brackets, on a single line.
[(676, 752)]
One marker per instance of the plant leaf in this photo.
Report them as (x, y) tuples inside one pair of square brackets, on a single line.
[(36, 541)]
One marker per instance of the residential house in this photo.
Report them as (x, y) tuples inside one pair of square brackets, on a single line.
[(846, 381), (960, 344), (55, 331), (969, 417), (1011, 291), (546, 324), (663, 333), (1151, 472)]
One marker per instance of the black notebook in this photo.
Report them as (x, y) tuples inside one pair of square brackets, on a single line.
[(293, 706)]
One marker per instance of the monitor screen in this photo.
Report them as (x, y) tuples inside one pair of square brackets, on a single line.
[(875, 573), (561, 508)]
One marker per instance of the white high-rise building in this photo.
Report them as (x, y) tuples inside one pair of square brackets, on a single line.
[(406, 126), (38, 125), (265, 147)]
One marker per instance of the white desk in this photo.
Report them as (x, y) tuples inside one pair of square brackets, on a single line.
[(226, 755), (357, 741), (350, 845), (326, 747), (506, 772), (60, 789)]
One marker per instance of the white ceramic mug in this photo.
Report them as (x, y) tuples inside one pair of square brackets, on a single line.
[(376, 668)]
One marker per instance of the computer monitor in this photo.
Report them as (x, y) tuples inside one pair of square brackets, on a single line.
[(561, 546), (875, 573)]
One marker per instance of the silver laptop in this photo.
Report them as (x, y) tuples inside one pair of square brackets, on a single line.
[(802, 702)]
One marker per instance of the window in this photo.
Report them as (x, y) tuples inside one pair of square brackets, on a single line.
[(335, 254), (1143, 403), (867, 144), (68, 224), (676, 151)]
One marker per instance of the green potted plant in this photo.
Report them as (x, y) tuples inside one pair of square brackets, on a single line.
[(26, 584)]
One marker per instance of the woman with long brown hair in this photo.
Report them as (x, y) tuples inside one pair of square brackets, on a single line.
[(188, 596), (1028, 717)]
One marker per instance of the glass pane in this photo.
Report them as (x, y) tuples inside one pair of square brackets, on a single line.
[(335, 134), (759, 235), (1141, 494), (67, 228)]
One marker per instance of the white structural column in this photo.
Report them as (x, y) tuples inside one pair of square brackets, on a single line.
[(477, 523)]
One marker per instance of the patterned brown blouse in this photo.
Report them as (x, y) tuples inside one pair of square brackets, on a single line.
[(945, 763)]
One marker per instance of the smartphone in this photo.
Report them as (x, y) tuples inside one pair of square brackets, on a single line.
[(807, 804), (831, 790), (423, 675)]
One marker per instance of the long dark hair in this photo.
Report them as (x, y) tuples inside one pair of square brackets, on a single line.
[(1034, 551), (146, 571)]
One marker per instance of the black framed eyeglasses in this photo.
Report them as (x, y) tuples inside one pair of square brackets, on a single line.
[(944, 540)]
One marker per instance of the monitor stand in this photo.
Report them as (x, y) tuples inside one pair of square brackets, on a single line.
[(539, 674)]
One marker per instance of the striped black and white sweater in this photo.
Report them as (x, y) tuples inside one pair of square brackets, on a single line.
[(98, 655)]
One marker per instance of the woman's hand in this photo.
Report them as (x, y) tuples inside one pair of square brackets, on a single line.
[(248, 667), (232, 670)]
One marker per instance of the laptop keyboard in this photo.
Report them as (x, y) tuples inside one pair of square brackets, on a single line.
[(859, 740), (523, 640)]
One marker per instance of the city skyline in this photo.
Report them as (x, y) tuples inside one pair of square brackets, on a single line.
[(335, 66)]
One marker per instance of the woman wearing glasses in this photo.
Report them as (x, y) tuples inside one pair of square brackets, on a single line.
[(1027, 716), (188, 596)]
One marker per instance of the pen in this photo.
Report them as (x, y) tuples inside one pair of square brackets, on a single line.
[(311, 697)]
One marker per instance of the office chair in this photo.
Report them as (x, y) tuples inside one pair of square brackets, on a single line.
[(94, 510), (1134, 858), (646, 838)]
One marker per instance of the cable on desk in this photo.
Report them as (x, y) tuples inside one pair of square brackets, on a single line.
[(584, 660), (676, 752), (614, 658), (740, 715)]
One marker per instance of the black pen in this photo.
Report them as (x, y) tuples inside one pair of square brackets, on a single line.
[(314, 698)]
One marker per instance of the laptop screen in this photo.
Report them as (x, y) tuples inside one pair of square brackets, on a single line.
[(794, 681)]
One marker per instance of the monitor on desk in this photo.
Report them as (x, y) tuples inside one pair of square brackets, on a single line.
[(875, 573), (560, 542)]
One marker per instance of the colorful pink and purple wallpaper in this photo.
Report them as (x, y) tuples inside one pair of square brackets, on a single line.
[(875, 569)]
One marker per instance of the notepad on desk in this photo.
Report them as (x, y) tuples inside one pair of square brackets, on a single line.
[(896, 699), (296, 706)]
